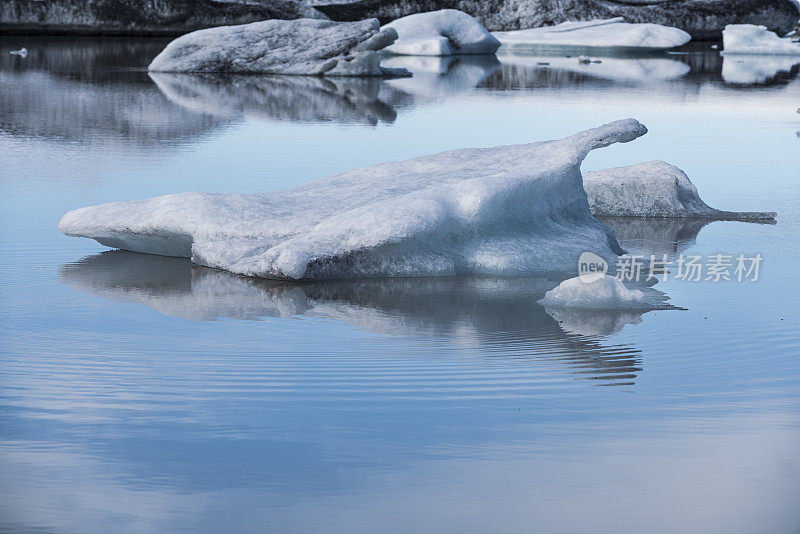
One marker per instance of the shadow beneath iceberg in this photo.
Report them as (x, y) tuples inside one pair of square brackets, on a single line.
[(290, 98), (501, 315)]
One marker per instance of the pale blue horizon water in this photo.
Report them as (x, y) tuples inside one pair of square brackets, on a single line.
[(141, 394)]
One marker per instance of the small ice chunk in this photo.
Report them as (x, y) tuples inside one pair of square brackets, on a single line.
[(753, 39), (653, 189), (441, 33), (518, 209), (22, 52), (303, 46), (608, 33), (602, 293)]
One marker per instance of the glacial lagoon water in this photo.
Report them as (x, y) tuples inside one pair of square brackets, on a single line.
[(143, 394)]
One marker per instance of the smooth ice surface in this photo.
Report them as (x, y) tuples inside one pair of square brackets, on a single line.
[(752, 39), (441, 33), (304, 46), (517, 209), (602, 293), (652, 189), (606, 33)]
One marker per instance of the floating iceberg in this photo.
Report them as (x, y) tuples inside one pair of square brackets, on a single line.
[(743, 69), (304, 46), (603, 293), (752, 39), (653, 189), (608, 33), (441, 33), (518, 209)]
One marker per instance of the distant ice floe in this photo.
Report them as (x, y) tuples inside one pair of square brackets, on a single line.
[(608, 33), (518, 209), (304, 46), (290, 98), (753, 39), (753, 69), (653, 189), (441, 33), (605, 292)]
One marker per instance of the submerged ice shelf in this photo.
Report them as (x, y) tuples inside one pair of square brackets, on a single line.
[(517, 209)]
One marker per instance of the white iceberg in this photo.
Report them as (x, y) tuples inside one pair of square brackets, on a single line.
[(608, 33), (602, 293), (752, 69), (518, 209), (653, 189), (753, 39), (441, 33), (303, 46)]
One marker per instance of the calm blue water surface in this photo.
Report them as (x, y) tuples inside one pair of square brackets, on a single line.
[(142, 394)]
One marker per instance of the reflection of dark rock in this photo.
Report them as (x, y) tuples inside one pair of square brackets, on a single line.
[(704, 19), (137, 17), (84, 90), (487, 310), (293, 98)]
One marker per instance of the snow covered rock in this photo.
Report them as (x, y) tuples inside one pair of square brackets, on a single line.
[(609, 33), (752, 39), (603, 293), (652, 189), (518, 209), (441, 33), (304, 46)]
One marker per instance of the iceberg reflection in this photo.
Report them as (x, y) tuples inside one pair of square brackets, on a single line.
[(490, 311), (744, 69), (292, 98)]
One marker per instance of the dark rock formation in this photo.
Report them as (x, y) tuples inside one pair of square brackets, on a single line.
[(138, 17), (703, 19)]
